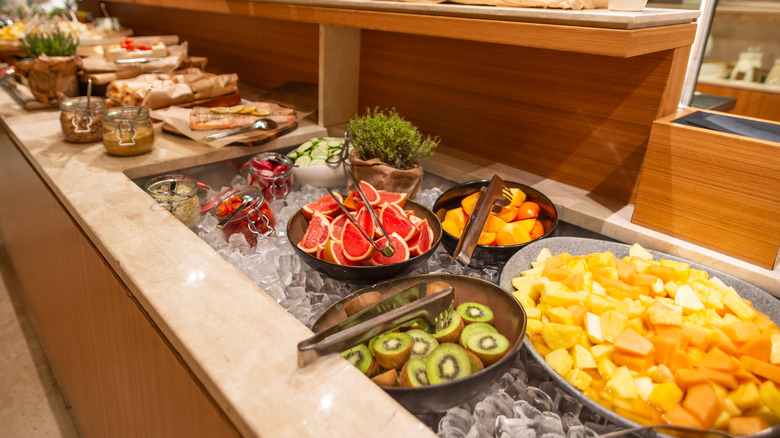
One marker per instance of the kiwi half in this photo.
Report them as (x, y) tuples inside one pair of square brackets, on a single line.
[(361, 357), (422, 343), (473, 329), (413, 373), (488, 346), (475, 312), (476, 363), (446, 363), (387, 378), (451, 332), (393, 349)]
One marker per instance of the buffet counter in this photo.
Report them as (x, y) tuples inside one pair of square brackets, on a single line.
[(138, 315)]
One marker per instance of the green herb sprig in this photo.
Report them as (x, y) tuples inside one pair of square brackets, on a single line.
[(50, 43), (390, 138)]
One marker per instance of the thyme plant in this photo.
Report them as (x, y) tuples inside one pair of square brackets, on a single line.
[(389, 138)]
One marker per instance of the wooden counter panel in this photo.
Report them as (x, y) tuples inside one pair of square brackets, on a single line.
[(264, 52), (580, 119), (114, 368)]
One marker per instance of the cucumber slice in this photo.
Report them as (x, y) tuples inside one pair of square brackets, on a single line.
[(292, 155), (304, 147), (303, 161), (334, 143), (317, 162)]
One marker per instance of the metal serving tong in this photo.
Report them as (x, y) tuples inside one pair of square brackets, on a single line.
[(389, 249), (432, 313), (496, 194)]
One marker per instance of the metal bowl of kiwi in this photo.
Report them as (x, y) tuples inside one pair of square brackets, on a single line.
[(475, 299)]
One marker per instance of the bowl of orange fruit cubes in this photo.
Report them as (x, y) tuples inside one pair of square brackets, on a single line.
[(530, 215), (642, 337)]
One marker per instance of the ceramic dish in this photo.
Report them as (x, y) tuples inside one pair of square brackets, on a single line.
[(321, 176), (509, 320), (296, 227), (521, 261), (486, 255)]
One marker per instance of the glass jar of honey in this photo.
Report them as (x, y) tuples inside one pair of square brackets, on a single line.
[(81, 119), (127, 130)]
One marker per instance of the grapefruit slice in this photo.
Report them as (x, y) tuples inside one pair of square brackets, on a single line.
[(394, 220), (421, 242), (316, 233), (365, 220), (393, 198), (333, 252), (336, 226), (372, 195), (325, 205), (355, 246), (401, 251)]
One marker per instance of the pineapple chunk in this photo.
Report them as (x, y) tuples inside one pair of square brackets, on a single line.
[(658, 287), (671, 288), (560, 315), (544, 254), (774, 355), (687, 299), (639, 252), (598, 304), (665, 396), (663, 313), (602, 351), (597, 288), (745, 396), (579, 379), (730, 407), (556, 294), (644, 386), (583, 358), (612, 324), (561, 336), (622, 383), (533, 312), (560, 361), (534, 326), (606, 367), (734, 302), (771, 396), (593, 327), (523, 285)]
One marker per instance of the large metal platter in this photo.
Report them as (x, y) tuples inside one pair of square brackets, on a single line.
[(522, 260)]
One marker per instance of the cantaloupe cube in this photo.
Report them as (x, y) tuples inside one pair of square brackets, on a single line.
[(631, 342), (680, 416), (744, 426), (622, 383), (701, 401), (665, 396), (560, 361)]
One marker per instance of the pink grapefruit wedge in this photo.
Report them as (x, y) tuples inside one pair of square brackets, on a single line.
[(325, 205), (316, 234), (394, 220), (401, 251)]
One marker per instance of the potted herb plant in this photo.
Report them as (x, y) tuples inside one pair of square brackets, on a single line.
[(386, 151), (52, 69)]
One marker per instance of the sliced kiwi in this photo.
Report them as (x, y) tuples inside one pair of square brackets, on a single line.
[(476, 363), (474, 328), (387, 378), (451, 332), (489, 346), (446, 363), (393, 349), (422, 343), (475, 312), (413, 373), (361, 357)]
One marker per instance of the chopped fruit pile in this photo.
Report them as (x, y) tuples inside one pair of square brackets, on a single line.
[(332, 237), (256, 221), (654, 340), (130, 45), (515, 224), (410, 357)]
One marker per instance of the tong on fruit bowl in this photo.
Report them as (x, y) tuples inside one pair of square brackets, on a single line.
[(389, 249), (496, 193), (431, 312), (769, 432)]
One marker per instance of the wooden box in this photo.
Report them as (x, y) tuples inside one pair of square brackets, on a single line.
[(715, 189)]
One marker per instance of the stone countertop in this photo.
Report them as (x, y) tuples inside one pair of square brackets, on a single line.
[(237, 340)]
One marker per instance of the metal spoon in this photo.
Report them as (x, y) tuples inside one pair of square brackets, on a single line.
[(264, 124), (143, 102), (689, 431)]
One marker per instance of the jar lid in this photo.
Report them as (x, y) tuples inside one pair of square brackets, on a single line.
[(244, 198), (126, 113), (96, 104), (172, 187)]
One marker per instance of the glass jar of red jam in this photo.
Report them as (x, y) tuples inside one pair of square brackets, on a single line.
[(244, 210), (272, 172)]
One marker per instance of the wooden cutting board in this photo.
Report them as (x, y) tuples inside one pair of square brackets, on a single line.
[(260, 138)]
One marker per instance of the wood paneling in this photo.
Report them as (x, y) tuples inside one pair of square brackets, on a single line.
[(751, 103), (716, 190), (580, 119), (115, 369)]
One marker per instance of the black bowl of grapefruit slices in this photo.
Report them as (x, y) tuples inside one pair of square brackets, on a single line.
[(326, 240)]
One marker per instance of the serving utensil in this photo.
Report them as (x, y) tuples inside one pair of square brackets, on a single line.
[(495, 194), (773, 431), (264, 124), (431, 313)]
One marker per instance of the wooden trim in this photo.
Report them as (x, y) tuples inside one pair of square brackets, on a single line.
[(598, 41)]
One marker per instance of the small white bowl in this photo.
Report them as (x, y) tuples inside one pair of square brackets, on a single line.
[(321, 176)]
